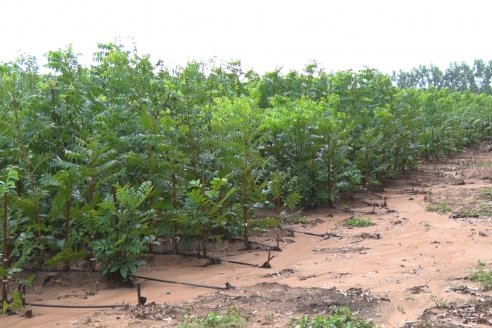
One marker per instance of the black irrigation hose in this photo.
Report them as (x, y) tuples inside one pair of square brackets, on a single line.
[(203, 257), (237, 262), (268, 247), (307, 233), (57, 270), (183, 283), (66, 306), (352, 211)]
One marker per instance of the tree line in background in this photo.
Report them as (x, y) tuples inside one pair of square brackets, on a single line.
[(101, 162), (457, 77)]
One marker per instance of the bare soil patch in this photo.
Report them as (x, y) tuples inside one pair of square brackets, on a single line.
[(283, 304)]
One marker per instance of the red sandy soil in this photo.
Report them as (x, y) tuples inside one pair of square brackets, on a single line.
[(414, 265)]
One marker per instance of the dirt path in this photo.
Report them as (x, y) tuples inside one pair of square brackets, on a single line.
[(413, 266)]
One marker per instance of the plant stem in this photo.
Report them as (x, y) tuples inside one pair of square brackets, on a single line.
[(5, 246)]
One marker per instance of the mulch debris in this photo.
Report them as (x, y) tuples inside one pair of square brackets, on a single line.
[(478, 311), (281, 273)]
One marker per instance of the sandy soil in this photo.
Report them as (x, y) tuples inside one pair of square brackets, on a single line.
[(411, 267)]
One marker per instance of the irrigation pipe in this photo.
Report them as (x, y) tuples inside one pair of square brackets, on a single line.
[(57, 270), (203, 257), (237, 262), (307, 233), (352, 211), (228, 286), (268, 247), (66, 306)]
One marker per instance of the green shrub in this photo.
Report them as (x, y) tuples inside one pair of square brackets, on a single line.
[(123, 231), (340, 318), (233, 319), (440, 207), (358, 221)]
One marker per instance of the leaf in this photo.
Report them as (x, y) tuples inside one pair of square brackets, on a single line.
[(184, 130), (292, 200), (12, 175), (147, 122)]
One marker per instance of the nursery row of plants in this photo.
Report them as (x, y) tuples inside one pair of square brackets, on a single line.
[(100, 162)]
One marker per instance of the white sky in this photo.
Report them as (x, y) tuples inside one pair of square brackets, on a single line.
[(263, 34)]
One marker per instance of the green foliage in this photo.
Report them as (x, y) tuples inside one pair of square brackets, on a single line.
[(15, 303), (340, 318), (358, 221), (483, 276), (216, 144), (9, 183), (260, 225), (67, 254), (123, 229), (232, 319), (292, 200), (267, 223), (208, 208)]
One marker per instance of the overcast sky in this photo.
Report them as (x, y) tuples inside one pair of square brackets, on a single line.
[(263, 34)]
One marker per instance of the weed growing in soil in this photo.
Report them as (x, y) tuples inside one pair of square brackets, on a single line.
[(483, 210), (358, 221), (340, 318), (488, 192), (440, 207), (483, 276), (216, 320), (468, 212), (441, 303), (401, 309)]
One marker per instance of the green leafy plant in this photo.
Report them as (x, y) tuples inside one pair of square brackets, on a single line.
[(441, 303), (208, 209), (340, 318), (440, 207), (77, 134), (488, 192), (483, 210), (358, 221), (232, 319), (123, 230), (483, 276)]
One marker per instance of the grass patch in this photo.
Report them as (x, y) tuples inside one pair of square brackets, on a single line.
[(340, 318), (233, 319), (488, 192), (468, 212), (483, 276), (481, 210), (358, 221), (440, 207)]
